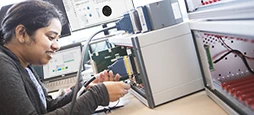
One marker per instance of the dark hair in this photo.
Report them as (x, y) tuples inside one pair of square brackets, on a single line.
[(33, 14)]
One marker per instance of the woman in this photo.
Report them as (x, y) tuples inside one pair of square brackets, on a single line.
[(29, 35)]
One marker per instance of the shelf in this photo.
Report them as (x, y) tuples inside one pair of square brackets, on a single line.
[(223, 10), (238, 27)]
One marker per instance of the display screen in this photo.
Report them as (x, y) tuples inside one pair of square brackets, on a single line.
[(65, 61), (89, 13)]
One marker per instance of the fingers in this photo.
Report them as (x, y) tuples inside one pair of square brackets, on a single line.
[(110, 76), (101, 78), (105, 75), (126, 86), (124, 92), (117, 77), (116, 90)]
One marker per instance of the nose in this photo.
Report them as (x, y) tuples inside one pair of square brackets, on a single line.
[(55, 45)]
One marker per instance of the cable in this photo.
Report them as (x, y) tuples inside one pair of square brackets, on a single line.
[(229, 48), (240, 55), (108, 109), (223, 56), (81, 66), (82, 89)]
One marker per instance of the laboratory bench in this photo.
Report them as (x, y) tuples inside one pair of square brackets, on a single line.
[(194, 104)]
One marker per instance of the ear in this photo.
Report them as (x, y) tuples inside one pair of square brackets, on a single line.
[(20, 33)]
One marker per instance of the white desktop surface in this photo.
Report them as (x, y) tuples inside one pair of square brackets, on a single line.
[(196, 104)]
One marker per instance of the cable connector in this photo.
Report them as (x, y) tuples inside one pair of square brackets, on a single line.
[(125, 24), (121, 66)]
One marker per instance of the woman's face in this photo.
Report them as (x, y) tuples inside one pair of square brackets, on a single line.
[(44, 43)]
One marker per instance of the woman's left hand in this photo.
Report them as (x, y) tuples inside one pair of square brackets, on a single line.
[(103, 76), (106, 76)]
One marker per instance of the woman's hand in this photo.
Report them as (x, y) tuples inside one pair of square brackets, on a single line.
[(106, 76), (116, 89)]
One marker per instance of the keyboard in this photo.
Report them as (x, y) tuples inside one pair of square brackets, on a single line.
[(60, 84)]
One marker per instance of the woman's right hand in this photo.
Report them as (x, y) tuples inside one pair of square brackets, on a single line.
[(116, 89)]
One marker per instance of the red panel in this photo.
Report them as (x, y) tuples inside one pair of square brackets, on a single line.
[(240, 82), (247, 86), (228, 83), (244, 91)]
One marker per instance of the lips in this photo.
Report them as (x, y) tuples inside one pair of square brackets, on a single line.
[(50, 54)]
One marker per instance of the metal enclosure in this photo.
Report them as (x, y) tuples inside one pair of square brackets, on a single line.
[(168, 65), (223, 35), (164, 13)]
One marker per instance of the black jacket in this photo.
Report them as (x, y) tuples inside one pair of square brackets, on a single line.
[(18, 94)]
